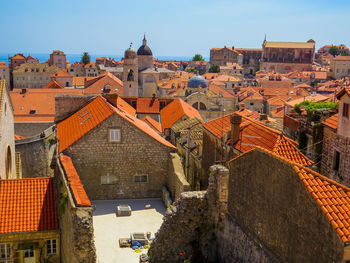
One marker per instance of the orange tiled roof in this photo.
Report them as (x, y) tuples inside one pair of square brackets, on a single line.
[(278, 112), (80, 81), (152, 123), (19, 137), (54, 85), (331, 197), (83, 121), (61, 74), (18, 56), (3, 65), (331, 122), (218, 90), (94, 85), (255, 134), (147, 105), (80, 196), (175, 110), (345, 90), (28, 205)]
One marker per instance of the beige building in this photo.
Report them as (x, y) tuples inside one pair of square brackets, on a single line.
[(30, 75), (5, 73), (232, 69), (58, 58), (285, 57), (222, 56), (7, 143), (340, 67)]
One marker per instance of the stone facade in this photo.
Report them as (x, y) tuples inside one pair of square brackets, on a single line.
[(32, 75), (251, 60), (7, 143), (77, 232), (222, 56), (37, 240), (137, 154), (340, 67), (286, 219), (5, 73), (58, 58), (177, 182), (66, 105), (284, 57)]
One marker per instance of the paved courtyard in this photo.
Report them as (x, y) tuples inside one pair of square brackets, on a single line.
[(109, 228)]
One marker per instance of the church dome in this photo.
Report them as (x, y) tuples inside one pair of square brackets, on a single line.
[(144, 50), (197, 82), (130, 53)]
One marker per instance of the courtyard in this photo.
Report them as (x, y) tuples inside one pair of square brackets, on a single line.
[(108, 228)]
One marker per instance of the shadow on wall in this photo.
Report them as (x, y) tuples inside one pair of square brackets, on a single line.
[(103, 207)]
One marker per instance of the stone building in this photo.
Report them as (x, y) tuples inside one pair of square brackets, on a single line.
[(7, 143), (16, 61), (29, 75), (285, 57), (251, 60), (222, 56), (140, 76), (336, 141), (231, 135), (91, 70), (77, 70), (58, 59), (29, 229), (63, 78), (340, 67), (5, 73), (115, 154), (264, 209)]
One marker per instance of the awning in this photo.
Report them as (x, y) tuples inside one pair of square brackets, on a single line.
[(26, 246)]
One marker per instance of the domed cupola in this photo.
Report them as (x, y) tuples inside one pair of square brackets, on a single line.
[(130, 53), (144, 50), (197, 82)]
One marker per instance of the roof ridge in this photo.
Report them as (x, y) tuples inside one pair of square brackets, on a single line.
[(26, 179)]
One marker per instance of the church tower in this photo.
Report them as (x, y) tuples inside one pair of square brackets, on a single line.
[(130, 73)]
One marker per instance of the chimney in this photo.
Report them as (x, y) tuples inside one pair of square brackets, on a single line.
[(23, 91), (263, 117), (235, 120), (112, 98)]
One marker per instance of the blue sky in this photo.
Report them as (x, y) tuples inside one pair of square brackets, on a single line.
[(173, 28)]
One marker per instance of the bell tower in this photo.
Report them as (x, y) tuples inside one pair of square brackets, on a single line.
[(130, 73)]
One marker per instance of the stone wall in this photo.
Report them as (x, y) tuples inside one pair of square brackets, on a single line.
[(30, 129), (332, 143), (77, 232), (271, 203), (66, 105), (36, 155), (136, 154), (176, 179)]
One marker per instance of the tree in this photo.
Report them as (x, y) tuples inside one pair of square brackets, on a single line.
[(85, 58), (198, 57), (333, 50), (214, 69)]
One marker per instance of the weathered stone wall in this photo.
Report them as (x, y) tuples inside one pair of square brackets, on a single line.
[(270, 202), (39, 237), (36, 155), (30, 129), (66, 105), (77, 232), (136, 154), (176, 178), (332, 143)]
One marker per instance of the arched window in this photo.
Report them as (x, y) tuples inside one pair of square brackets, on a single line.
[(130, 75), (8, 162), (201, 106)]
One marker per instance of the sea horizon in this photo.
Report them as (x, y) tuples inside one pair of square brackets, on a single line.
[(72, 58)]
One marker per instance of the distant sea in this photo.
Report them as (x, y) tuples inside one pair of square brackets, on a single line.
[(77, 57)]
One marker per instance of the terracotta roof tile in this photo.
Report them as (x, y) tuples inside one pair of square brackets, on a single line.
[(28, 205), (152, 123), (83, 121), (175, 110), (18, 56), (147, 105), (61, 74), (255, 134), (19, 137), (54, 85), (78, 191), (331, 122)]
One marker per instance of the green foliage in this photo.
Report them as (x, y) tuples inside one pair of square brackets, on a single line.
[(189, 69), (198, 57), (312, 108), (214, 69), (85, 58), (333, 50), (302, 140), (63, 201), (297, 108)]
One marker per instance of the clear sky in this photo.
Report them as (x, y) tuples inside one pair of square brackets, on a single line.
[(173, 28)]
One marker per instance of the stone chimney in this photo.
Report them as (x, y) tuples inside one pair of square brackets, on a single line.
[(263, 116), (235, 120), (112, 98)]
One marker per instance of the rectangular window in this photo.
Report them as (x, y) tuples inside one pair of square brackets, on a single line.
[(108, 179), (5, 251), (336, 161), (346, 110), (51, 247), (140, 178), (114, 135)]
